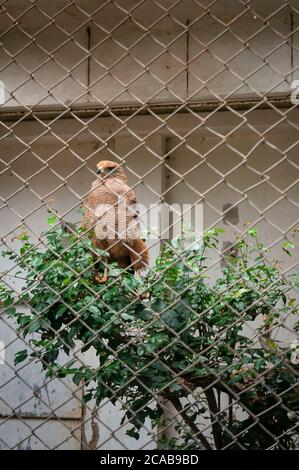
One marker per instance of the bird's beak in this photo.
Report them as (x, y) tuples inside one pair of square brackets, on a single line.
[(99, 171)]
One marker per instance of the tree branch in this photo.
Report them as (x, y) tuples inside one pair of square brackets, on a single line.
[(213, 408), (197, 433)]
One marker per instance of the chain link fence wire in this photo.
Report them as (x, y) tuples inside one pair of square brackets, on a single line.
[(196, 100)]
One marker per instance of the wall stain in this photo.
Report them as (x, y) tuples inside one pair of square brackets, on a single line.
[(230, 214), (95, 435)]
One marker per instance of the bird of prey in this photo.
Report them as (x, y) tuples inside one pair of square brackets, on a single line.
[(111, 218)]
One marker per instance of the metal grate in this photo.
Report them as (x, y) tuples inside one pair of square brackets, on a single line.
[(197, 101)]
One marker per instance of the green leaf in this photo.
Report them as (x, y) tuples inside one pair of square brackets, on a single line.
[(62, 309), (94, 309), (252, 232), (20, 356), (11, 312), (259, 363), (286, 246), (78, 377), (87, 397), (52, 219), (35, 325), (126, 316), (133, 433)]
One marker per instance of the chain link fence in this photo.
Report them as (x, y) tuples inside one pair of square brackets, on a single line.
[(196, 101)]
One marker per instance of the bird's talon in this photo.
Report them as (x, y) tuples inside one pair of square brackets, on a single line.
[(104, 278), (145, 295)]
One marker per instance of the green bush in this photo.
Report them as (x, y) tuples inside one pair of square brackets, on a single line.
[(166, 336)]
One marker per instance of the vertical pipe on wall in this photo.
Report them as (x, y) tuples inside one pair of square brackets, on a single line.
[(88, 30)]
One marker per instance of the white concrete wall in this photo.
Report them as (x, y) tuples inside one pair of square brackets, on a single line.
[(144, 59)]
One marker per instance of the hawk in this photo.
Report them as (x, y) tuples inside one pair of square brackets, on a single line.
[(111, 218)]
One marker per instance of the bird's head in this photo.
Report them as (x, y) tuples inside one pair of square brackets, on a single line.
[(106, 169)]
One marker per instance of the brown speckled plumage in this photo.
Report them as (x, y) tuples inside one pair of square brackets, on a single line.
[(111, 189)]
